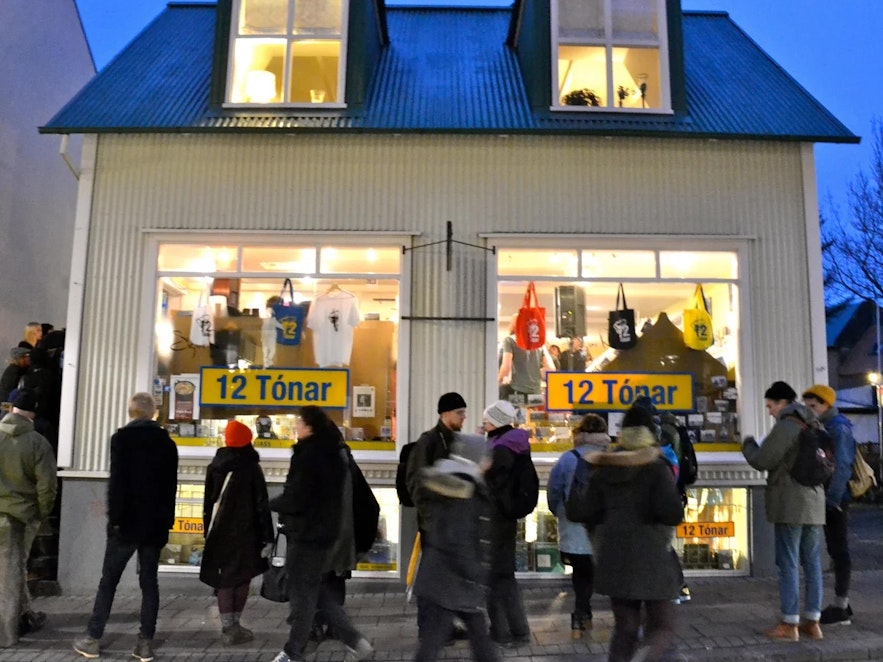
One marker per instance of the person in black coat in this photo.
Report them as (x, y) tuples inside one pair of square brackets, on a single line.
[(140, 512), (238, 526)]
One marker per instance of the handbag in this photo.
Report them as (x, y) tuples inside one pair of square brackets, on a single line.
[(862, 478), (698, 333), (621, 332), (202, 323), (274, 584), (289, 317), (530, 324)]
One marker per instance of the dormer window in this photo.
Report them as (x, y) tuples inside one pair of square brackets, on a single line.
[(287, 52), (610, 54)]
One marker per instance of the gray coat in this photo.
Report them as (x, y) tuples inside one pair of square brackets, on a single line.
[(787, 501)]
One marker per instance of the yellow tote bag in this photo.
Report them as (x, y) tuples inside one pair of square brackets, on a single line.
[(698, 333), (413, 567)]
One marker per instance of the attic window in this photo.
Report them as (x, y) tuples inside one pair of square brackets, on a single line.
[(610, 54), (287, 52)]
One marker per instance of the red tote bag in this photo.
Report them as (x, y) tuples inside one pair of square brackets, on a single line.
[(530, 324)]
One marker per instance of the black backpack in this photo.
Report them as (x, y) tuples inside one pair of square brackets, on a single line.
[(688, 466), (523, 489), (813, 463), (366, 510), (402, 475)]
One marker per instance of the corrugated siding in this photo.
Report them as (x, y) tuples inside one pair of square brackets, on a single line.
[(416, 183)]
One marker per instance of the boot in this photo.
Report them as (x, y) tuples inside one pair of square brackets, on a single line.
[(577, 625)]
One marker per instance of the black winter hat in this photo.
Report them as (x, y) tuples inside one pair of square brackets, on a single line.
[(637, 417), (780, 391), (450, 402), (26, 400)]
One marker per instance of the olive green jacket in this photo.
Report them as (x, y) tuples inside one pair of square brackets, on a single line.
[(27, 471)]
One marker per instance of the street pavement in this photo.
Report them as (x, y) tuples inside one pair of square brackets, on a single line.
[(724, 621)]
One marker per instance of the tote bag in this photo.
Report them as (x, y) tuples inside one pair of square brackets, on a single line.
[(274, 585), (530, 324), (862, 478), (698, 333), (290, 317), (202, 323), (621, 332)]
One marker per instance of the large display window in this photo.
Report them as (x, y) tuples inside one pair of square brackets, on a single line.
[(251, 332)]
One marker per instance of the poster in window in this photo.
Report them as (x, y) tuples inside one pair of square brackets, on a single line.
[(184, 397), (363, 402)]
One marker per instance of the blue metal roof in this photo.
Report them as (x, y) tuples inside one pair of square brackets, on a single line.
[(445, 70)]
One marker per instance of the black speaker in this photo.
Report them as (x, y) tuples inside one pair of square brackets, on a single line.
[(570, 311)]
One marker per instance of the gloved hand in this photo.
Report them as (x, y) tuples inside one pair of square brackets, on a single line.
[(267, 550)]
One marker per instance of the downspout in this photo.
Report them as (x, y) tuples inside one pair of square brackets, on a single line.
[(65, 155)]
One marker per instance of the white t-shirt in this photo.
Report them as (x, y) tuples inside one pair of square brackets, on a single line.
[(332, 318)]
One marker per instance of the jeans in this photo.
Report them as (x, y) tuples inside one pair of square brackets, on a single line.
[(506, 610), (12, 551), (116, 556), (659, 633), (437, 630), (796, 543), (583, 580), (837, 541)]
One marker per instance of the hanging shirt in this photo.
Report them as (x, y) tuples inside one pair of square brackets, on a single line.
[(332, 318)]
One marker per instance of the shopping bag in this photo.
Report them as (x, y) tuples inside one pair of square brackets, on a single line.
[(862, 478), (274, 584), (530, 324), (413, 567), (621, 332), (202, 323), (289, 317), (698, 333)]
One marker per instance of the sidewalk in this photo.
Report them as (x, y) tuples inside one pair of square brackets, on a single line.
[(724, 621)]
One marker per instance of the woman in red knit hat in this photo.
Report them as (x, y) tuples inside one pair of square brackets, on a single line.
[(238, 527)]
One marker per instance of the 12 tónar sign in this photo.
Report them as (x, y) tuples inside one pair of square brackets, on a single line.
[(275, 387), (611, 391)]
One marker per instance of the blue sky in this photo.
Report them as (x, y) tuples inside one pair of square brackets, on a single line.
[(829, 46)]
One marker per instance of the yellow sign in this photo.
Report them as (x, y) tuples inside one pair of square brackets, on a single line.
[(706, 530), (607, 391), (187, 525), (274, 387)]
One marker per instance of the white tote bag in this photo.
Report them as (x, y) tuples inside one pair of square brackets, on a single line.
[(202, 324)]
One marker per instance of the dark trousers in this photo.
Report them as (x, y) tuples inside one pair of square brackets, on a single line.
[(116, 556), (837, 542), (304, 566), (437, 630), (506, 610), (583, 580), (659, 631)]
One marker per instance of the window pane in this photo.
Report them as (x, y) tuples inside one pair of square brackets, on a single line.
[(582, 75), (635, 20), (193, 257), (257, 70), (539, 262), (365, 260), (696, 265), (581, 19), (285, 259), (263, 16), (314, 66), (636, 77), (618, 264), (317, 17)]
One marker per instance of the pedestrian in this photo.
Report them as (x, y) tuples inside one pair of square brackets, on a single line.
[(453, 574), (433, 445), (821, 398), (521, 371), (140, 511), (17, 366), (315, 509), (573, 539), (506, 442), (796, 511), (27, 493), (574, 358), (633, 505), (239, 528), (32, 335)]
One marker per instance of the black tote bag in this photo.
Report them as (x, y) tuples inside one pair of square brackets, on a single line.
[(621, 324), (274, 585)]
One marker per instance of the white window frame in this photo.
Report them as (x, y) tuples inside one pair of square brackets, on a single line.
[(609, 44)]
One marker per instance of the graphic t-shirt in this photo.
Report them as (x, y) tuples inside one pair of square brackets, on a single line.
[(332, 318)]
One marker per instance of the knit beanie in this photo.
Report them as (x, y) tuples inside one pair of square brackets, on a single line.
[(450, 402), (237, 435), (24, 400), (637, 417), (822, 392), (780, 391), (500, 414)]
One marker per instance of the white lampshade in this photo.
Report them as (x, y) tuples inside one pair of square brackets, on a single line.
[(260, 86)]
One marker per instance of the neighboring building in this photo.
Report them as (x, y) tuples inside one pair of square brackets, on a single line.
[(412, 170), (852, 335), (47, 61)]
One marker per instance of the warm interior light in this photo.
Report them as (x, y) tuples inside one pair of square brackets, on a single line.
[(874, 377), (371, 255), (260, 86)]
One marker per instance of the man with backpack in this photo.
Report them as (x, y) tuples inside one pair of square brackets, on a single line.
[(796, 510), (821, 398)]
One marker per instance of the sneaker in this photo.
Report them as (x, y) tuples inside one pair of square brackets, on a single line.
[(236, 634), (684, 594), (282, 656), (811, 629), (88, 647), (832, 615), (784, 632), (143, 650), (362, 651), (31, 621)]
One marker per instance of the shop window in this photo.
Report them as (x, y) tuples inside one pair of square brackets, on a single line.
[(287, 52), (610, 264), (520, 261), (333, 342), (714, 533), (610, 54)]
